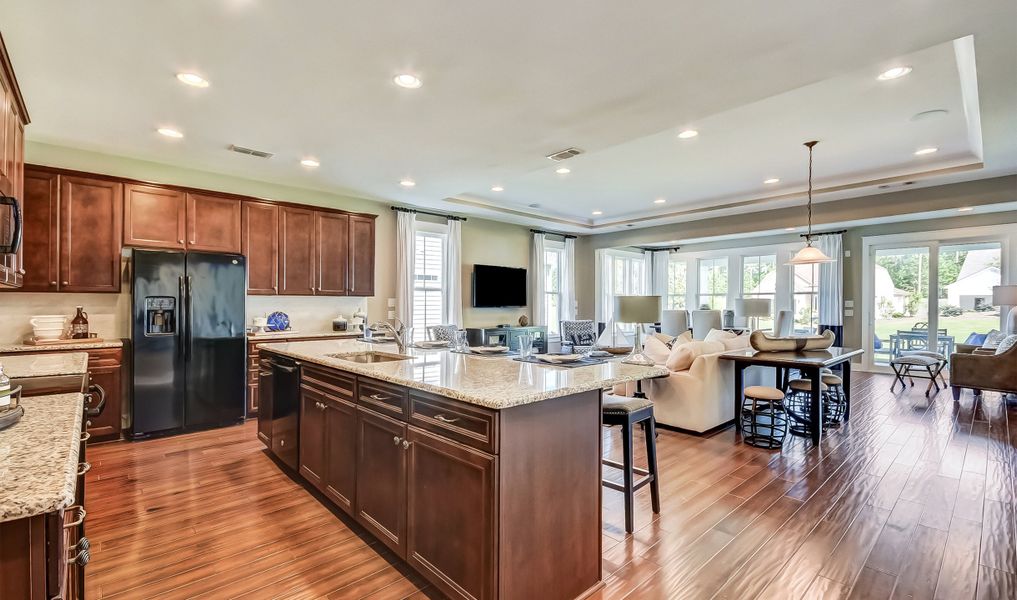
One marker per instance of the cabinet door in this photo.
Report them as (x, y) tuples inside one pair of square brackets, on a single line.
[(213, 223), (361, 255), (18, 260), (340, 452), (153, 217), (41, 234), (381, 478), (450, 511), (265, 403), (332, 231), (260, 244), (296, 251), (6, 164), (107, 425), (91, 218), (312, 437)]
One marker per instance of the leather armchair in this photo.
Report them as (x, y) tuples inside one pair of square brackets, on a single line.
[(978, 371)]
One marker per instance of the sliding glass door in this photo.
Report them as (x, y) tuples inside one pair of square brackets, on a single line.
[(900, 297)]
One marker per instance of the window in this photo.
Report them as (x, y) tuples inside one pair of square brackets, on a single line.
[(805, 288), (713, 283), (623, 273), (677, 274), (428, 288), (553, 258), (759, 280)]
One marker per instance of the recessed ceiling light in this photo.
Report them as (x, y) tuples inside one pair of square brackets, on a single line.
[(563, 170), (407, 81), (407, 183), (894, 73), (688, 133), (966, 209), (497, 188), (771, 180), (924, 151), (170, 132), (193, 79), (310, 162), (598, 212), (659, 201)]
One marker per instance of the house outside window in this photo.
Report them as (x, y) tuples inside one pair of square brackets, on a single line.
[(805, 291)]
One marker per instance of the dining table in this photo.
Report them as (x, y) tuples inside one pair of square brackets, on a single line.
[(809, 363)]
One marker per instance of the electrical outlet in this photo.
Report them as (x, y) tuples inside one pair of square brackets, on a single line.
[(391, 314), (849, 313)]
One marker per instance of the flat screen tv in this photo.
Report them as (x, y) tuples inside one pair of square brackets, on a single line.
[(498, 286)]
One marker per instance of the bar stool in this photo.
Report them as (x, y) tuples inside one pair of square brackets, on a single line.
[(834, 400), (624, 411), (764, 422), (798, 403)]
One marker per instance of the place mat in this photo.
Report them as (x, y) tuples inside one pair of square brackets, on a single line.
[(583, 362)]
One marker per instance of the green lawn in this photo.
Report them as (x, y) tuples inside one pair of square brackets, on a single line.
[(958, 327)]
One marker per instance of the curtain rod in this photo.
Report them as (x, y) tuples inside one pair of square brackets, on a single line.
[(427, 212), (658, 248), (564, 235), (839, 231)]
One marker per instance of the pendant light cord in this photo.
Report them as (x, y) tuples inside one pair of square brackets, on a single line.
[(808, 236)]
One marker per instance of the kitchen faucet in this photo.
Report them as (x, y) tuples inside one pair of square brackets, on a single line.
[(398, 332)]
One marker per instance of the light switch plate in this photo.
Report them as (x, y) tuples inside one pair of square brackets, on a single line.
[(849, 304), (849, 313), (847, 254), (391, 302), (391, 314)]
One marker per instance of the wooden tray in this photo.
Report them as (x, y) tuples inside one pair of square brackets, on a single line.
[(31, 341)]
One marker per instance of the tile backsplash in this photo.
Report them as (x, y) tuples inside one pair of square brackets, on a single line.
[(308, 314)]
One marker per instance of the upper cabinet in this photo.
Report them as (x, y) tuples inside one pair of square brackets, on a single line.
[(154, 217), (91, 218), (260, 244), (296, 251), (361, 256), (13, 119), (332, 233), (213, 223), (42, 218)]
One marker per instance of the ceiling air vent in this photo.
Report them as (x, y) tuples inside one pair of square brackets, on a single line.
[(564, 154), (249, 151)]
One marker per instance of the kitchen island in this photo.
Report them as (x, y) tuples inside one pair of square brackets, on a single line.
[(483, 473)]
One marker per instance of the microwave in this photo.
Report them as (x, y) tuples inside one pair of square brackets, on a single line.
[(10, 225)]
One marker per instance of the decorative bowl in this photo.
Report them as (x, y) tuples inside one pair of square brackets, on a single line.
[(278, 321)]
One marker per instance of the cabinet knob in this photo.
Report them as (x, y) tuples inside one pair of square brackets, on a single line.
[(65, 283), (52, 283), (406, 444), (194, 241), (180, 241), (397, 440), (282, 442)]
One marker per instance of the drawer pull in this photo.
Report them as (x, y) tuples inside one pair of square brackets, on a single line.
[(379, 397), (81, 516), (445, 419), (397, 440), (84, 468), (85, 436)]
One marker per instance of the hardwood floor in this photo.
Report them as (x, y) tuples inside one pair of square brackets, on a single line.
[(914, 498)]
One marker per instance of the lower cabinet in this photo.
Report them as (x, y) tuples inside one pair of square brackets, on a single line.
[(340, 450), (312, 436), (264, 391), (381, 481)]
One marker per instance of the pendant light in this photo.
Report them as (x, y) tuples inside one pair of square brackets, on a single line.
[(810, 255)]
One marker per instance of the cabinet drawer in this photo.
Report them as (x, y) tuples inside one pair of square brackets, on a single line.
[(464, 423), (383, 397), (329, 382), (105, 357)]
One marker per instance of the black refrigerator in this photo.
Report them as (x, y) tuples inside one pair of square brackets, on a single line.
[(188, 344)]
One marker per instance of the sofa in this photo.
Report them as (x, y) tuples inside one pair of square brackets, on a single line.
[(700, 397)]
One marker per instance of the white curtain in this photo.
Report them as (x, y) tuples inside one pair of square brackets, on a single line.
[(568, 281), (406, 252), (452, 275), (605, 295), (831, 280), (539, 314), (647, 287), (661, 259)]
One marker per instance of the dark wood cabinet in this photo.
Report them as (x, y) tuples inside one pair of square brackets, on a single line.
[(450, 506), (331, 256), (13, 118), (381, 484), (91, 218), (213, 223), (296, 251), (154, 217), (260, 244), (106, 380), (264, 392), (312, 436), (41, 232), (341, 453), (361, 256)]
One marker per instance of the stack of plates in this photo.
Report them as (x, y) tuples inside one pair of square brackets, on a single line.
[(559, 358), (432, 344), (48, 327), (488, 349)]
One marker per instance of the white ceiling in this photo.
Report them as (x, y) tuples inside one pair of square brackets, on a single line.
[(507, 83)]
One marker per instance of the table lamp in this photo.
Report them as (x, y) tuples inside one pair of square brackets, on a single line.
[(753, 308), (1006, 295), (638, 310)]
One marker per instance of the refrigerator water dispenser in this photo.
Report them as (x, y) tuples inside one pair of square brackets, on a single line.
[(160, 315)]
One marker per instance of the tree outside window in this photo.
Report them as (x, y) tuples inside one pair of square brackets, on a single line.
[(553, 258), (759, 280), (806, 298), (713, 283), (677, 274)]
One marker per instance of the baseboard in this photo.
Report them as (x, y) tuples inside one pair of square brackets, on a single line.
[(709, 432)]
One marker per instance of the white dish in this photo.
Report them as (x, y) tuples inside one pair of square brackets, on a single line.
[(559, 358), (488, 349), (48, 334), (432, 344)]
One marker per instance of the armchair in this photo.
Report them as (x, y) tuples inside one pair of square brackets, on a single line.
[(979, 370)]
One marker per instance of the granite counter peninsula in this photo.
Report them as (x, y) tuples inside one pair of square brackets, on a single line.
[(482, 473)]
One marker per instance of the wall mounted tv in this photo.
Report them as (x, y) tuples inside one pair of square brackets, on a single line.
[(498, 286)]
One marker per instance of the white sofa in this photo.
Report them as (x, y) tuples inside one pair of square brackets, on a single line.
[(701, 398)]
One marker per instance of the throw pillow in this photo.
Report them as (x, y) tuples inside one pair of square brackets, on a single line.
[(682, 357), (717, 335), (976, 339), (684, 338), (1008, 342), (665, 338), (738, 342), (656, 350), (582, 339), (992, 339)]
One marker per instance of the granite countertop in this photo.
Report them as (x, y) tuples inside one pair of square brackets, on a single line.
[(493, 382), (83, 345), (45, 365), (296, 335), (39, 457)]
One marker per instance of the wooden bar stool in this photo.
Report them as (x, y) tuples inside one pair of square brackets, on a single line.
[(764, 422), (624, 411)]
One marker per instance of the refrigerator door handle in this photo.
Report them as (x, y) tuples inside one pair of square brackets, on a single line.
[(182, 321), (187, 307)]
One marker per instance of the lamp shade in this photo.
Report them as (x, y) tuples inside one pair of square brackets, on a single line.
[(637, 309), (1004, 295), (809, 255), (752, 307)]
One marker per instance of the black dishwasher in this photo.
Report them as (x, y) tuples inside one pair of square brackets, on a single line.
[(285, 409)]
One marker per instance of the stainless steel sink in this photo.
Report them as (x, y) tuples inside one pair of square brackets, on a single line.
[(369, 357)]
